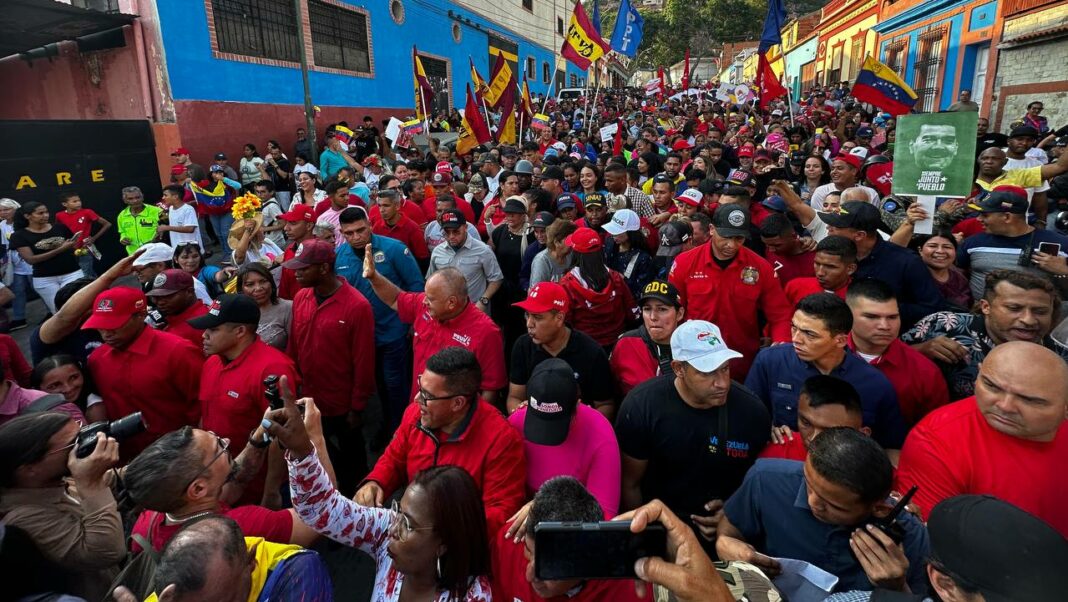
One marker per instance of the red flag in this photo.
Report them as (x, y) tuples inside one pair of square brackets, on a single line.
[(686, 71), (474, 131), (769, 84), (663, 83), (617, 144)]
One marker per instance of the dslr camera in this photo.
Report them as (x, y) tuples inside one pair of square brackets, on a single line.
[(121, 430)]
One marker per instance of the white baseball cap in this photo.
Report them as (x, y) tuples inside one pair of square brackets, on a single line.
[(622, 221), (700, 344), (155, 252)]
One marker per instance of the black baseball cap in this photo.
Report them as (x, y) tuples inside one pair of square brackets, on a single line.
[(543, 219), (220, 156), (453, 218), (731, 220), (1006, 553), (1023, 131), (661, 290), (236, 309), (552, 173), (1001, 202), (554, 395), (858, 215), (514, 205), (673, 236)]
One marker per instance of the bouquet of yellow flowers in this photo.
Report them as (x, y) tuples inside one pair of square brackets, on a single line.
[(246, 206)]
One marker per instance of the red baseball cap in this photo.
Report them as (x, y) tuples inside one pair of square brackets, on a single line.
[(443, 167), (584, 240), (1013, 190), (745, 151), (681, 144), (114, 307), (543, 297), (298, 213), (181, 150), (311, 252), (849, 159), (441, 179), (881, 176)]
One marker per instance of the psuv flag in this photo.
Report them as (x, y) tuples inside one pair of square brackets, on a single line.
[(582, 44), (424, 92), (879, 85), (627, 33), (501, 81), (216, 196)]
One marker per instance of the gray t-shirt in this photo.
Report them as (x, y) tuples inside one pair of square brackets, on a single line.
[(275, 322), (544, 268), (474, 259)]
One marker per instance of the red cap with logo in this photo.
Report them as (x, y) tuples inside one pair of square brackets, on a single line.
[(181, 150), (443, 167), (114, 307), (177, 170), (311, 252), (849, 160), (543, 297), (440, 179), (584, 240), (299, 213)]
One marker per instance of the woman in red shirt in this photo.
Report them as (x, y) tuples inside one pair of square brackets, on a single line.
[(602, 304)]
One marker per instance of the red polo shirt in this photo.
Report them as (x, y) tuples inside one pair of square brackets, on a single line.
[(159, 375), (472, 330), (791, 449), (954, 451), (632, 362), (919, 383), (430, 208), (408, 208), (495, 219), (333, 344), (406, 231), (177, 325), (287, 282), (799, 288), (732, 298), (789, 267)]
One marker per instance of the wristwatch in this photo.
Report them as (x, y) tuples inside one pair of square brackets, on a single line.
[(484, 300)]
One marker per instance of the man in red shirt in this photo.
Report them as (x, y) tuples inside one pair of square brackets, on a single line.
[(441, 182), (783, 249), (444, 316), (140, 369), (406, 207), (919, 383), (176, 302), (298, 228), (394, 224), (727, 284), (232, 399), (825, 402), (450, 424), (834, 263), (560, 499), (1010, 440), (645, 352), (332, 341)]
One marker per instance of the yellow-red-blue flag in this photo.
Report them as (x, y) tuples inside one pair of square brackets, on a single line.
[(582, 44), (880, 85)]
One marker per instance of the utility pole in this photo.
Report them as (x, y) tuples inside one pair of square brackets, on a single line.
[(309, 109)]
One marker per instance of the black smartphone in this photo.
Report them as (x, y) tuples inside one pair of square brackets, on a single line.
[(1049, 248), (601, 550), (888, 524), (775, 173)]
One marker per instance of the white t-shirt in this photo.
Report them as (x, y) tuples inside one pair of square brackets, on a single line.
[(18, 264), (184, 216), (1024, 163), (271, 210), (816, 202)]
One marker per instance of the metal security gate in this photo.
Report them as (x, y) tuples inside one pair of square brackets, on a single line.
[(96, 159)]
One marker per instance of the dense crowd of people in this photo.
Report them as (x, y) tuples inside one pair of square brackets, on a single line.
[(720, 320)]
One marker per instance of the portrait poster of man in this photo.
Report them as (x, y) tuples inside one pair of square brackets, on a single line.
[(935, 154)]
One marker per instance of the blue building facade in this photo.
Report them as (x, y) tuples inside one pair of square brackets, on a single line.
[(234, 71), (940, 47)]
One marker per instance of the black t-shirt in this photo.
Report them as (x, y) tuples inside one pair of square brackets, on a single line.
[(42, 242), (694, 455), (508, 248), (582, 353), (80, 344)]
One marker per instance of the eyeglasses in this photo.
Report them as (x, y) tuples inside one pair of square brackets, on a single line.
[(403, 523), (427, 397), (69, 447), (224, 448)]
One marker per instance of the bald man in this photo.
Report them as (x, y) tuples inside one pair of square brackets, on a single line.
[(443, 316), (992, 173), (1009, 440)]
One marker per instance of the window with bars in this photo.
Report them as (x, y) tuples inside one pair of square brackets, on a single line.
[(928, 62), (260, 28), (529, 5), (340, 37), (856, 57), (545, 73), (574, 80), (532, 68), (895, 57), (437, 73), (560, 25)]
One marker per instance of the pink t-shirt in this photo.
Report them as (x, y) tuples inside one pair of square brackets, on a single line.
[(590, 454)]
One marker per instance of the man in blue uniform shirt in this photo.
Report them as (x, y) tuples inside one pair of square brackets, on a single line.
[(394, 261), (820, 331)]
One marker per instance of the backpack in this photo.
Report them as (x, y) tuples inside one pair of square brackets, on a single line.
[(139, 573)]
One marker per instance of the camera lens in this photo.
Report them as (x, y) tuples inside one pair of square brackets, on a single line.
[(127, 427)]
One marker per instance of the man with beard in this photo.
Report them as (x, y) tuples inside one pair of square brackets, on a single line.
[(140, 369), (672, 165), (548, 336), (615, 181), (596, 215), (189, 473), (1015, 307), (392, 347), (1008, 441), (474, 259)]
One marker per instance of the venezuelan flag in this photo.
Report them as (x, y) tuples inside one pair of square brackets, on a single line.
[(216, 197), (540, 121), (343, 133), (413, 127), (880, 85)]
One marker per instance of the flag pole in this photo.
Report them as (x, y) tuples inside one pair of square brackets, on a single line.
[(552, 82), (596, 91), (482, 97), (789, 92)]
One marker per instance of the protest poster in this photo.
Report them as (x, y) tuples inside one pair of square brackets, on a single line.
[(608, 132), (934, 154)]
